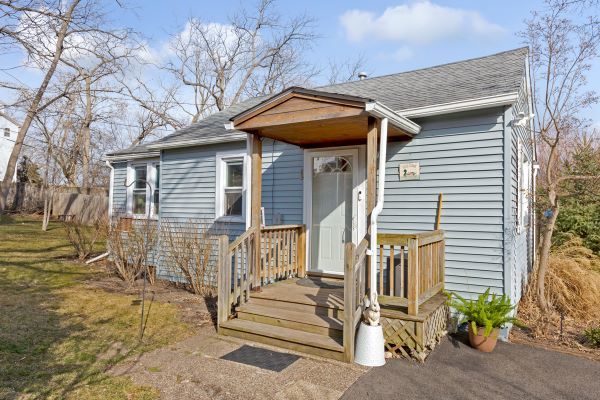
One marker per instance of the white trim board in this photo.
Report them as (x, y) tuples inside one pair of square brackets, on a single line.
[(458, 106)]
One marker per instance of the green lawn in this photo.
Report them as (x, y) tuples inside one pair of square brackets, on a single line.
[(59, 336)]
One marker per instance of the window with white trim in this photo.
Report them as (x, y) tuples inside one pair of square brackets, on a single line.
[(143, 200), (6, 132), (523, 187), (231, 187)]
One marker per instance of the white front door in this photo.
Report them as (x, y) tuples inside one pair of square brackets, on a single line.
[(331, 178)]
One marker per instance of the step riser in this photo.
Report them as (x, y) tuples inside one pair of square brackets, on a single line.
[(330, 312), (283, 344), (265, 319)]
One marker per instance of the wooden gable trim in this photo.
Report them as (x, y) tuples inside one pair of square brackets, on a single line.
[(337, 108)]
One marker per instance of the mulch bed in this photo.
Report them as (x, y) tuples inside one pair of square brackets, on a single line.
[(570, 342), (193, 309)]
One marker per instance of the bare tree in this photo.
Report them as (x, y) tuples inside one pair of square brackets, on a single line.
[(564, 39), (346, 70), (255, 54), (19, 21), (58, 37)]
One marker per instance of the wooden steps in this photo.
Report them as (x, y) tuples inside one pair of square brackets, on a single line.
[(292, 339), (293, 317), (308, 322)]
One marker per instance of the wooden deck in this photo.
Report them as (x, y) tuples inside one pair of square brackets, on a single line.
[(310, 319)]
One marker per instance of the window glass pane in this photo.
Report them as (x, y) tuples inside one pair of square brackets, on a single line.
[(157, 183), (139, 202), (156, 201), (235, 174), (140, 177), (6, 132), (233, 202)]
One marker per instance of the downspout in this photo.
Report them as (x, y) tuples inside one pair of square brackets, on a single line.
[(370, 340), (378, 208)]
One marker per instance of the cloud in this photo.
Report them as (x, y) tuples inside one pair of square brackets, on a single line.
[(417, 23)]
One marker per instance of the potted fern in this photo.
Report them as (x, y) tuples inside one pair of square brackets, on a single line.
[(485, 317)]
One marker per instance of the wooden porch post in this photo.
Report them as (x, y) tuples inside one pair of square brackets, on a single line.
[(256, 192), (372, 134)]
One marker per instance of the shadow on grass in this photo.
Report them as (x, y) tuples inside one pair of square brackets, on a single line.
[(43, 352)]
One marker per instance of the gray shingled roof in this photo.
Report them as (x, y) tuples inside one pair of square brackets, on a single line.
[(493, 75)]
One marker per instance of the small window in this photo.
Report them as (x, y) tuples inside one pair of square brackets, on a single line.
[(230, 191), (234, 188), (6, 132), (156, 195), (139, 189)]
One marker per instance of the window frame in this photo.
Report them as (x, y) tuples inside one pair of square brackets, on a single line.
[(6, 131), (151, 178), (222, 159)]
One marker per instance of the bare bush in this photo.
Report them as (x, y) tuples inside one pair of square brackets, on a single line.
[(84, 236), (129, 242), (189, 247)]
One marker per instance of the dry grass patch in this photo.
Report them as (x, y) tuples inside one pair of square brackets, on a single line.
[(573, 290), (58, 335)]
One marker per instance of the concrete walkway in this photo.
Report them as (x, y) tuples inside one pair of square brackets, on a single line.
[(456, 371), (201, 367)]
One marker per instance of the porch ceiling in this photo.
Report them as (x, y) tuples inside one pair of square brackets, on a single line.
[(309, 118)]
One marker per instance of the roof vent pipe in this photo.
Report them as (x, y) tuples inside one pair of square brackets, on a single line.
[(362, 75)]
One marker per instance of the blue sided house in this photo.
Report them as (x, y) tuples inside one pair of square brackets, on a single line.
[(429, 173)]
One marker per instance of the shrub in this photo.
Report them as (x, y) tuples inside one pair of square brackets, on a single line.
[(592, 335), (189, 247), (484, 312), (84, 237), (129, 244)]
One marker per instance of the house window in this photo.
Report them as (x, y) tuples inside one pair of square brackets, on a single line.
[(6, 132), (156, 194), (143, 200), (523, 188), (140, 174), (231, 197)]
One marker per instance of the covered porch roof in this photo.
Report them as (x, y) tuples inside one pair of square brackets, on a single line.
[(312, 118)]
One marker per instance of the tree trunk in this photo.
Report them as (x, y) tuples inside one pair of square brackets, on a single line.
[(32, 109), (86, 133), (544, 252)]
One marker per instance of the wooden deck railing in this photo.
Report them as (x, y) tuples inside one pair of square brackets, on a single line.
[(410, 268), (283, 249), (283, 255), (235, 273), (354, 290)]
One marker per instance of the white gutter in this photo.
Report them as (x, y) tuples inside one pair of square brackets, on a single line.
[(110, 189), (380, 111), (378, 206), (459, 106)]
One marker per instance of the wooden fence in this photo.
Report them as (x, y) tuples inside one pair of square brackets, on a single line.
[(87, 204)]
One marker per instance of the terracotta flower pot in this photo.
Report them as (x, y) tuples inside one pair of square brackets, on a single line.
[(480, 342)]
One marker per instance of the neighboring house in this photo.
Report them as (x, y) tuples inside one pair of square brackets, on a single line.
[(8, 134), (461, 129)]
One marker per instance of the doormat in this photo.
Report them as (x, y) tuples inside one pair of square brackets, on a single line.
[(319, 283), (261, 358)]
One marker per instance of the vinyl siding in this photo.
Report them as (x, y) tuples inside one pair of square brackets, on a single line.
[(119, 193), (188, 188), (519, 243), (282, 184), (460, 156)]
